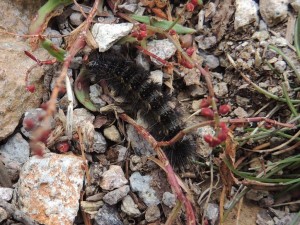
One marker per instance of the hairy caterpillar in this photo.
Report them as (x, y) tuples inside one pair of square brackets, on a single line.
[(131, 82)]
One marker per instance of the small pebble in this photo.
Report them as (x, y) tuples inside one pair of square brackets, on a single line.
[(107, 215), (135, 163), (240, 112), (141, 184), (212, 213), (76, 18), (263, 218), (129, 207), (117, 195), (169, 199), (6, 193), (113, 178), (212, 61), (221, 89), (161, 48), (152, 213), (100, 144), (280, 66), (112, 134)]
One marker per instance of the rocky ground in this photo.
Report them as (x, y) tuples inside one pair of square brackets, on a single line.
[(94, 168)]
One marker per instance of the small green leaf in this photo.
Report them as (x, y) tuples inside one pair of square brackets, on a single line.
[(164, 24), (82, 90), (55, 51)]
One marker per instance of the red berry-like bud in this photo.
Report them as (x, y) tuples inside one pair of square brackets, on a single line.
[(172, 32), (204, 103), (195, 2), (224, 109), (190, 7), (190, 51), (222, 136), (211, 140), (143, 34), (30, 88), (135, 33), (143, 27), (268, 126), (62, 146), (207, 112), (28, 124)]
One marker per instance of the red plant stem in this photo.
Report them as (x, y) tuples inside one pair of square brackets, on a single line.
[(145, 51), (181, 133), (168, 168), (78, 44)]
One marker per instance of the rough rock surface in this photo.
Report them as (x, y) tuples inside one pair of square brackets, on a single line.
[(14, 98), (273, 11), (49, 188), (245, 14), (14, 153)]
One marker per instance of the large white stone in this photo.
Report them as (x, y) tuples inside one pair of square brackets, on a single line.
[(107, 34), (49, 188)]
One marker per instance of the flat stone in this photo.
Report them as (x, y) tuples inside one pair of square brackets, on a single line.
[(117, 195), (14, 154), (100, 144), (113, 178), (107, 34), (161, 48), (49, 188)]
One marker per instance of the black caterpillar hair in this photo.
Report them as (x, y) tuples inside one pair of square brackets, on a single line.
[(131, 82)]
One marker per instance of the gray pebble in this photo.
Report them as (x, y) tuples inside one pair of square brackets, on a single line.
[(117, 195), (152, 213)]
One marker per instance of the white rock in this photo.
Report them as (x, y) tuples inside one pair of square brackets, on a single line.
[(81, 116), (296, 5), (107, 34), (76, 18), (261, 35), (6, 193), (221, 89), (212, 213), (14, 154), (240, 112), (49, 188), (117, 195), (129, 207), (169, 199), (245, 13), (129, 8), (280, 66), (212, 61), (112, 134), (141, 184), (156, 76), (273, 11), (206, 42), (113, 178), (161, 48)]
